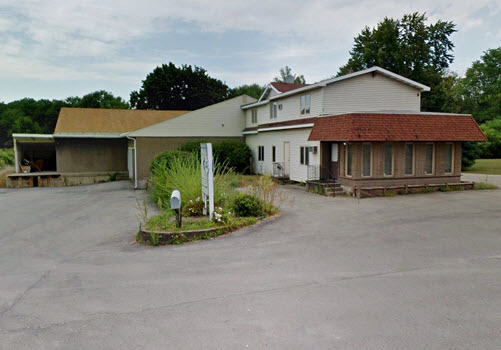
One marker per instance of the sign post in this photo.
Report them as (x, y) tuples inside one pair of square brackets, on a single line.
[(207, 178)]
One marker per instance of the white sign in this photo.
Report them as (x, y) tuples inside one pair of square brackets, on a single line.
[(207, 178)]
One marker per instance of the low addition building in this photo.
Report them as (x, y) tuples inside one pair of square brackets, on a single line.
[(88, 146)]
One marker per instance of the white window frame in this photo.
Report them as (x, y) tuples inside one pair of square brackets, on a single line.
[(347, 146), (432, 159), (452, 158), (254, 115), (303, 158), (413, 159), (392, 160), (273, 110), (371, 159), (260, 153), (305, 104)]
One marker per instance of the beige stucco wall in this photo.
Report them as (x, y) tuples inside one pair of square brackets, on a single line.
[(91, 155), (399, 178), (148, 147)]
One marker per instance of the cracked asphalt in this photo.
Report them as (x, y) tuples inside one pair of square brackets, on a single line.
[(409, 272)]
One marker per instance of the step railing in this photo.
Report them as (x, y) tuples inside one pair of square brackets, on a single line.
[(278, 170), (313, 172)]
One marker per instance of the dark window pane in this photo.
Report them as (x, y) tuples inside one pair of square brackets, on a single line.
[(448, 158), (409, 159), (388, 159), (428, 163), (366, 160)]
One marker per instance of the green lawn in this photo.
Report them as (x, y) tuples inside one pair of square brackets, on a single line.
[(486, 166)]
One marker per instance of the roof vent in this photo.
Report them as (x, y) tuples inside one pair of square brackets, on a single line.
[(289, 79)]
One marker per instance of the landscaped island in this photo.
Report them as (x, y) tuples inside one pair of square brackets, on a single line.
[(234, 207)]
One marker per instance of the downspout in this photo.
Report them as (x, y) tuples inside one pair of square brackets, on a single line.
[(135, 158)]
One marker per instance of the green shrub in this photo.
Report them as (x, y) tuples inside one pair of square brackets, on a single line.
[(247, 205), (194, 207), (233, 154), (6, 157), (166, 158), (230, 154), (484, 186)]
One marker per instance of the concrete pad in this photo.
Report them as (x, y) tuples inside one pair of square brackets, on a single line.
[(410, 272)]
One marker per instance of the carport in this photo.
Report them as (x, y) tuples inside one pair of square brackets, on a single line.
[(38, 151)]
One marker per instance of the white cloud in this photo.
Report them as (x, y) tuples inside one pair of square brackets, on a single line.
[(61, 39)]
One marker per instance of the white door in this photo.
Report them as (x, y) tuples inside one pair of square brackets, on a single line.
[(287, 159)]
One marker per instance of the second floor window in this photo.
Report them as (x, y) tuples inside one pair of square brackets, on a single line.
[(273, 110), (305, 104), (254, 115)]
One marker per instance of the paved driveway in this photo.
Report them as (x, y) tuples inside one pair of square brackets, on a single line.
[(410, 272)]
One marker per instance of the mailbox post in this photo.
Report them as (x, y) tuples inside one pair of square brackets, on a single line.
[(175, 203)]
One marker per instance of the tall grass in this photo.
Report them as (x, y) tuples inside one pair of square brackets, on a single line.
[(183, 174), (6, 157)]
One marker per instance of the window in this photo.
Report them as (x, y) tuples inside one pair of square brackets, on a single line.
[(305, 104), (349, 159), (304, 155), (273, 110), (449, 158), (254, 115), (273, 154), (260, 153), (388, 159), (409, 159), (428, 161), (366, 159)]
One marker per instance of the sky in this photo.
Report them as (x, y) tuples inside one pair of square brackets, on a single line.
[(58, 48)]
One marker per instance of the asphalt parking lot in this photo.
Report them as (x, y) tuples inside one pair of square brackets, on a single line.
[(409, 272)]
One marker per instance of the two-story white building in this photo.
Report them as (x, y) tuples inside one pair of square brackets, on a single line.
[(359, 129)]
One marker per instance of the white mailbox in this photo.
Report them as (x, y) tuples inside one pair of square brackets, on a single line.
[(175, 200)]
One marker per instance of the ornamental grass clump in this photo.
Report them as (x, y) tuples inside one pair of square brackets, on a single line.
[(182, 172)]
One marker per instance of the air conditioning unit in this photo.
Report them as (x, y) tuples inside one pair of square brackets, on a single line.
[(314, 149)]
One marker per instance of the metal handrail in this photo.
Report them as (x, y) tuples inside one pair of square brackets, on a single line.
[(278, 169)]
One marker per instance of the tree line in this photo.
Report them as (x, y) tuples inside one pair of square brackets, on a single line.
[(409, 46)]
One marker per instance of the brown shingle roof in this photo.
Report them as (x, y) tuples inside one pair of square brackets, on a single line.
[(101, 120), (284, 87), (396, 127)]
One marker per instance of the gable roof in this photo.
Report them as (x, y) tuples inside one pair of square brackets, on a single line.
[(108, 121), (279, 87), (284, 87), (223, 119), (320, 84), (396, 127)]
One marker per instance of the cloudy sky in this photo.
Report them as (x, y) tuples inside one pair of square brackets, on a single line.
[(59, 48)]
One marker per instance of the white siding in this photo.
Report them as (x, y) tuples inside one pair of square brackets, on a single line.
[(297, 138), (291, 106), (370, 93), (224, 119)]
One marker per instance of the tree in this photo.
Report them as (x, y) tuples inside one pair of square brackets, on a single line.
[(286, 72), (492, 147), (408, 47), (481, 87), (103, 99), (178, 88), (254, 90)]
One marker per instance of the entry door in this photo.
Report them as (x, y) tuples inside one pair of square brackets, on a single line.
[(287, 159), (333, 164)]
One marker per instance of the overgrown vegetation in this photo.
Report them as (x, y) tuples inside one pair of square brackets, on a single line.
[(233, 209), (484, 186), (6, 157)]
